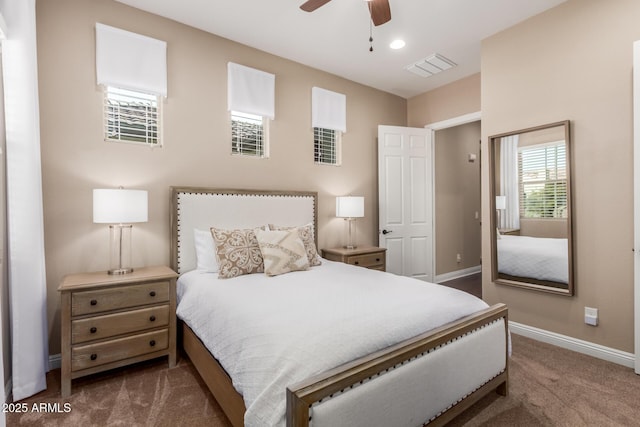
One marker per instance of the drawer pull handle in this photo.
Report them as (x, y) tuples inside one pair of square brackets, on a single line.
[(93, 330), (357, 262), (94, 356), (152, 318), (377, 259), (93, 302), (152, 293), (152, 343)]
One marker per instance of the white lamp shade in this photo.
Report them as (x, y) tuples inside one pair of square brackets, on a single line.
[(350, 207), (501, 202), (119, 206)]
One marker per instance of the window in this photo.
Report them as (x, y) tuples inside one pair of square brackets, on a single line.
[(132, 116), (249, 134), (542, 171), (326, 146)]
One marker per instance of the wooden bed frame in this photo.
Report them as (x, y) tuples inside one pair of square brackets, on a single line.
[(301, 396)]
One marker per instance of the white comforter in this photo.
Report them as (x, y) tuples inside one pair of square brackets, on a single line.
[(271, 332), (534, 257)]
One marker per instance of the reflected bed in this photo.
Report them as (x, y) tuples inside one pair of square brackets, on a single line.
[(538, 258)]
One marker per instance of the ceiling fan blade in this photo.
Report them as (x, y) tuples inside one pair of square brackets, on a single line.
[(311, 5), (380, 11)]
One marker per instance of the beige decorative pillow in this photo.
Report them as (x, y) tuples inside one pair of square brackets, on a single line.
[(237, 252), (282, 251), (306, 234)]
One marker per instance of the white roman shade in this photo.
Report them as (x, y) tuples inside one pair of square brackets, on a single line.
[(130, 61), (251, 91), (328, 109)]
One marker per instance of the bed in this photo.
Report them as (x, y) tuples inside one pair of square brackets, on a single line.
[(348, 367), (542, 259)]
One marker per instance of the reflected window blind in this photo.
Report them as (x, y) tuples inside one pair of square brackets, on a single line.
[(542, 177)]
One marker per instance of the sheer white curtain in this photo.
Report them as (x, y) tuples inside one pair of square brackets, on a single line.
[(510, 216), (25, 230)]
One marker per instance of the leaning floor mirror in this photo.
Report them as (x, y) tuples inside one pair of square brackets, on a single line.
[(531, 208)]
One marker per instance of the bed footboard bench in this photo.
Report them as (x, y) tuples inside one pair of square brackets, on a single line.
[(350, 392)]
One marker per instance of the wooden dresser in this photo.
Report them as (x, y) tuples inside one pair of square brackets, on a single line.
[(109, 321), (369, 257)]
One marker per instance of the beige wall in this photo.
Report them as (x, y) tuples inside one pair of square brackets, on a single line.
[(196, 132), (457, 198), (455, 99), (574, 62)]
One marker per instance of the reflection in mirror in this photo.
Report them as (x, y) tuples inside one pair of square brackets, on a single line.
[(531, 208)]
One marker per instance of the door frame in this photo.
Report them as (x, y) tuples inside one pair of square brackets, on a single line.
[(433, 127)]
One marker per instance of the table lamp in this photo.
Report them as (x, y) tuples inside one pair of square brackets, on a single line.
[(350, 208), (119, 208), (501, 204)]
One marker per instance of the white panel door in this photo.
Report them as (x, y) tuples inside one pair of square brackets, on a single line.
[(405, 197)]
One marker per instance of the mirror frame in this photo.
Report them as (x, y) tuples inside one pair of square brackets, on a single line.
[(493, 182)]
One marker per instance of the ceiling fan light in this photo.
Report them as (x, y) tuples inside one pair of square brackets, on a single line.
[(397, 44)]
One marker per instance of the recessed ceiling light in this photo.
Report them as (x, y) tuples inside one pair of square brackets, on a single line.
[(397, 44)]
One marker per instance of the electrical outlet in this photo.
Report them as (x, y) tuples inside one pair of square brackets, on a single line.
[(459, 258), (591, 316)]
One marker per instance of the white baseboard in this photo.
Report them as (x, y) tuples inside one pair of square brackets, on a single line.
[(55, 361), (457, 274), (585, 347)]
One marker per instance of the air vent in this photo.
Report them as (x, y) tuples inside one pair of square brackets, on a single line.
[(432, 64)]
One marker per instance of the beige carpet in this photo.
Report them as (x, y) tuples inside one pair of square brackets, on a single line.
[(549, 386)]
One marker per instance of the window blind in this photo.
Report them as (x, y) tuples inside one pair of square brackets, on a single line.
[(248, 135), (328, 109), (250, 91), (542, 173), (325, 146), (131, 116), (130, 61)]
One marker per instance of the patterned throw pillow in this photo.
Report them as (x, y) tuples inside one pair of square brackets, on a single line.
[(282, 251), (306, 234), (237, 251)]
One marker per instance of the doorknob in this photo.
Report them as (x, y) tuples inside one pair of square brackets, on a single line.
[(386, 231)]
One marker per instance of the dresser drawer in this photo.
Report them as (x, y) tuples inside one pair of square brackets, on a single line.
[(367, 260), (110, 325), (88, 302), (88, 356)]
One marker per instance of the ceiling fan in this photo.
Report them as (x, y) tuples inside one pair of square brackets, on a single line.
[(379, 9)]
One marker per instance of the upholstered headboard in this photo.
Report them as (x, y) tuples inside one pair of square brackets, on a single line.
[(203, 208)]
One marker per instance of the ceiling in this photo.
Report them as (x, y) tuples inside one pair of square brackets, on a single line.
[(335, 38)]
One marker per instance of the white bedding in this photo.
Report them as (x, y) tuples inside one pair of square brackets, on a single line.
[(534, 257), (271, 332)]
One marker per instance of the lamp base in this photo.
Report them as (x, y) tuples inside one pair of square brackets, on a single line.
[(117, 271), (120, 249), (351, 235)]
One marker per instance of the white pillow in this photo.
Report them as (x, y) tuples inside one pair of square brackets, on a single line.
[(205, 251)]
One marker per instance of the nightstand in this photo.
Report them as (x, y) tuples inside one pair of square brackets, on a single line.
[(109, 321), (370, 257)]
